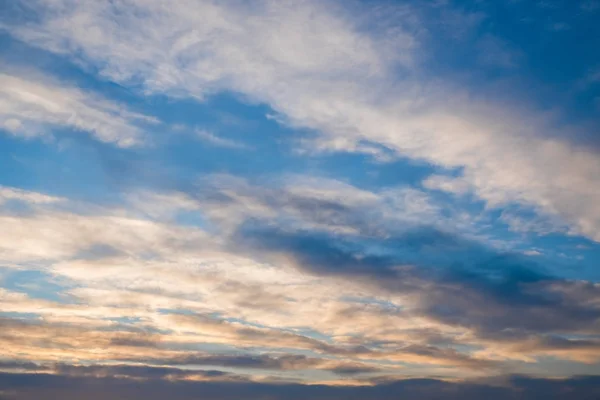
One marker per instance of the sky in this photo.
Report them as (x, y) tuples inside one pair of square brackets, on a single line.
[(321, 199)]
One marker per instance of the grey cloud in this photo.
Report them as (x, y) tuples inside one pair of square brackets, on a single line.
[(35, 386), (12, 366), (285, 362), (496, 295), (133, 371), (118, 370), (351, 369), (282, 362)]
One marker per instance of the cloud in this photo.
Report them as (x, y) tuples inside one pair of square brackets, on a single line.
[(57, 229), (411, 294), (321, 204), (49, 343), (341, 79), (141, 372), (285, 362), (218, 141), (288, 278), (8, 194), (30, 107), (498, 298), (17, 366), (32, 386)]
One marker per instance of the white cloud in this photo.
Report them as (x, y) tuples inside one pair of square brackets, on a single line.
[(519, 221), (458, 186), (9, 193), (205, 45), (323, 68), (532, 253), (29, 107), (218, 141), (51, 234)]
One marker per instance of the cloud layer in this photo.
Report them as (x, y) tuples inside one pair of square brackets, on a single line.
[(319, 67), (313, 199)]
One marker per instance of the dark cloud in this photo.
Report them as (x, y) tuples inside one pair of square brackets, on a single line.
[(290, 207), (263, 361), (284, 362), (351, 369), (146, 372), (64, 387), (128, 341), (500, 296), (134, 371), (44, 335), (20, 365), (99, 252), (317, 252)]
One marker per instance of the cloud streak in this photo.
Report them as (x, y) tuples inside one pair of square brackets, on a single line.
[(30, 107)]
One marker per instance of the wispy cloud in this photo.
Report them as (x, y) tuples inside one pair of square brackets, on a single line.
[(215, 140), (31, 107)]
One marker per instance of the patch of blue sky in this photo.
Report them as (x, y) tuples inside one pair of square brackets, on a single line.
[(313, 334), (384, 304), (25, 316), (522, 53), (178, 311), (126, 320), (195, 219), (367, 173), (568, 257), (36, 285), (74, 166), (563, 253)]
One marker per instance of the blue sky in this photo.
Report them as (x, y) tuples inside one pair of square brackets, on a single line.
[(350, 194)]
